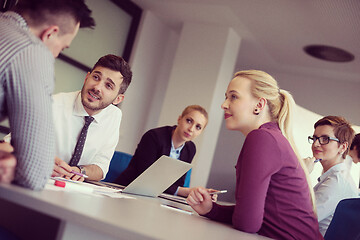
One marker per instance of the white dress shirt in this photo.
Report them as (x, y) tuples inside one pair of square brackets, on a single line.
[(333, 186), (102, 136)]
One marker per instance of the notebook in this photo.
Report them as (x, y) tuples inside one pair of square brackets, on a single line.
[(158, 177)]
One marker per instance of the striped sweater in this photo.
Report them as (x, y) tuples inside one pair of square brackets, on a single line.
[(27, 82)]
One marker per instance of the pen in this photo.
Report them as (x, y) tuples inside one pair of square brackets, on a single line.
[(218, 192), (79, 174), (317, 160), (74, 172)]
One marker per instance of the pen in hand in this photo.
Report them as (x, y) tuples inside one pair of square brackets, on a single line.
[(79, 174), (218, 192), (317, 160), (74, 172)]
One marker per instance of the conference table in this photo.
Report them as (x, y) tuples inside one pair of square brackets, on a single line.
[(50, 214)]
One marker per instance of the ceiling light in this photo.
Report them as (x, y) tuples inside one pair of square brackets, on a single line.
[(329, 53)]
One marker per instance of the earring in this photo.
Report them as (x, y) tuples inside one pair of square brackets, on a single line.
[(256, 111)]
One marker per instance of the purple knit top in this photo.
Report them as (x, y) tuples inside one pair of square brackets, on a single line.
[(272, 195)]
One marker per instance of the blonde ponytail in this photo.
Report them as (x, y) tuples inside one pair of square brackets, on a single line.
[(281, 106), (285, 120)]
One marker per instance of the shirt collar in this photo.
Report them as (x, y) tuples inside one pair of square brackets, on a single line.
[(177, 149), (337, 168)]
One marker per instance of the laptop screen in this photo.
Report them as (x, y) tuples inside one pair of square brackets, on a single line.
[(158, 177)]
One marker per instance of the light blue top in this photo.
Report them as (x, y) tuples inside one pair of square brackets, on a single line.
[(175, 153), (334, 185)]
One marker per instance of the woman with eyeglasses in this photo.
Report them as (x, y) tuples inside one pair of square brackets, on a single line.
[(330, 144)]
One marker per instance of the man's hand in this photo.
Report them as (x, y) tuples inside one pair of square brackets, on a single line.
[(75, 177), (200, 200), (6, 147), (61, 169), (7, 166)]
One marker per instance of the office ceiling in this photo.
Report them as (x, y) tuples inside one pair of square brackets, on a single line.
[(275, 32)]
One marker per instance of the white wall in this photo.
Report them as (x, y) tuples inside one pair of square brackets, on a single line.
[(67, 77), (200, 77), (161, 83), (150, 62), (330, 96), (108, 36)]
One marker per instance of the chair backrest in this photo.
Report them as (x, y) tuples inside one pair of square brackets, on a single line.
[(118, 164), (346, 220), (187, 178)]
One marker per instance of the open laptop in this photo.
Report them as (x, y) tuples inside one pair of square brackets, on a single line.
[(158, 177)]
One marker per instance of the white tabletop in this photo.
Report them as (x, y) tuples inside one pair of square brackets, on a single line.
[(121, 218)]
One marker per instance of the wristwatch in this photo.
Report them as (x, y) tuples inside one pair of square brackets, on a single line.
[(82, 169)]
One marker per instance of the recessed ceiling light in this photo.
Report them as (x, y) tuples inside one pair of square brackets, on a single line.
[(329, 53)]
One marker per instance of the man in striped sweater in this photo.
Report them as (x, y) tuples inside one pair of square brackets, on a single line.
[(31, 37)]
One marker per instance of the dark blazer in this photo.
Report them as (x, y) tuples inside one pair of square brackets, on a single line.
[(153, 144)]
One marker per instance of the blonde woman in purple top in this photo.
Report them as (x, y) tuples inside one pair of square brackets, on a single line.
[(273, 195)]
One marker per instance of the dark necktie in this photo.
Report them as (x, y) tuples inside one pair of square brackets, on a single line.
[(80, 143)]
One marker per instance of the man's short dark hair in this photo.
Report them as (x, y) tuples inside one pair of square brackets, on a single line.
[(56, 12), (116, 63)]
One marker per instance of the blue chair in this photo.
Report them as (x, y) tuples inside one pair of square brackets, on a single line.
[(118, 164), (187, 178), (345, 223)]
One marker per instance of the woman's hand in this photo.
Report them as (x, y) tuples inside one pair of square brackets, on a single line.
[(200, 200), (185, 191), (213, 196), (309, 163)]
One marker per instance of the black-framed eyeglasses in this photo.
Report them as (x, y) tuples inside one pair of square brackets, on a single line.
[(323, 140)]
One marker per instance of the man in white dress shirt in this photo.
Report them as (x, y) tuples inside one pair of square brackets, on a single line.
[(104, 87)]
